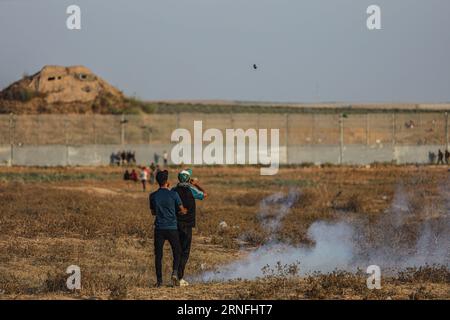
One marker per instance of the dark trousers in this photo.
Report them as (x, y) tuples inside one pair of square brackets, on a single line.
[(160, 238), (185, 235)]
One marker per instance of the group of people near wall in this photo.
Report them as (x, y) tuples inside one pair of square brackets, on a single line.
[(441, 156), (123, 157), (144, 175)]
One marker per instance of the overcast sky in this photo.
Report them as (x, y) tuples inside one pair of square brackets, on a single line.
[(306, 50)]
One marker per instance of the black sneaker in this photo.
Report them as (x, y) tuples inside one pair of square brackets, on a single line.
[(158, 284)]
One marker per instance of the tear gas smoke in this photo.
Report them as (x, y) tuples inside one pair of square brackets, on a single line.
[(391, 241)]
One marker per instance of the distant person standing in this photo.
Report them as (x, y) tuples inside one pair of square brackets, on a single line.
[(152, 173), (440, 157), (133, 175), (123, 157), (166, 158), (156, 158), (157, 169), (447, 156), (165, 204), (143, 176), (431, 157), (126, 175)]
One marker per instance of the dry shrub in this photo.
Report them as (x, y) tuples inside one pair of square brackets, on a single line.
[(355, 203), (271, 288), (55, 282), (249, 199), (281, 270), (341, 283), (94, 283), (10, 284), (418, 203), (226, 241), (254, 237), (421, 293), (433, 274), (308, 198), (293, 234), (118, 288), (278, 282), (319, 286)]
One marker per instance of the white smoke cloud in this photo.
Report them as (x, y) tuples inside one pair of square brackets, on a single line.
[(273, 208), (397, 248), (333, 249), (342, 245)]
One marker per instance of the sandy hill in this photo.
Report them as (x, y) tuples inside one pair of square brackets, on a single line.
[(57, 89)]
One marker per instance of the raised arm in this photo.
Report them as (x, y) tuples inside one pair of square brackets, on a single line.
[(198, 195)]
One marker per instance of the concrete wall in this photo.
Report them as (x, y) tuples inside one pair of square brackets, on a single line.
[(5, 155), (313, 154), (84, 155), (92, 155)]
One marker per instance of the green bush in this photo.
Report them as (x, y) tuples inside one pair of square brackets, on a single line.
[(149, 108), (132, 111), (135, 104)]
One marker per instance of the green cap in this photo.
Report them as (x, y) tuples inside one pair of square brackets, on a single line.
[(185, 175)]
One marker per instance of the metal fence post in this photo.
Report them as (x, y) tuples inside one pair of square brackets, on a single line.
[(39, 139), (367, 129), (258, 121), (313, 129), (150, 138), (122, 129), (94, 128), (232, 120), (11, 139), (66, 137), (287, 137), (341, 139), (446, 130), (394, 129)]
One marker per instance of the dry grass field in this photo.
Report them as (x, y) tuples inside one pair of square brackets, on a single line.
[(51, 218)]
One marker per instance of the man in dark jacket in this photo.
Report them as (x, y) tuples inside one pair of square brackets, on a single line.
[(440, 157), (165, 204), (189, 190)]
